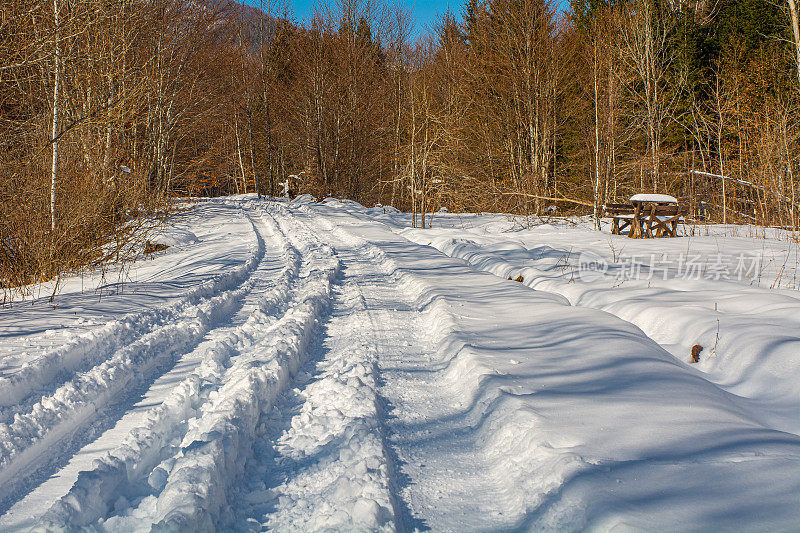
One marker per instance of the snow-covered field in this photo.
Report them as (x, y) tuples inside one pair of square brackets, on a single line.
[(321, 366)]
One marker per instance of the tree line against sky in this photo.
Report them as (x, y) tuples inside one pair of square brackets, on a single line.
[(111, 108)]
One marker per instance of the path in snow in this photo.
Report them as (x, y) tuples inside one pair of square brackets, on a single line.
[(444, 483), (342, 377)]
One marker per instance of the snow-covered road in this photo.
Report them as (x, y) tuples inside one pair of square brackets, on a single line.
[(301, 366)]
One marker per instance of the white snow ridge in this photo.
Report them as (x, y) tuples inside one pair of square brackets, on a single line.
[(302, 366)]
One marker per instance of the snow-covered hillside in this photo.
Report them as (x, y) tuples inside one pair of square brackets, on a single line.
[(322, 366)]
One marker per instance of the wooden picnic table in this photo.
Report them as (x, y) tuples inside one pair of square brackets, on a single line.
[(647, 216)]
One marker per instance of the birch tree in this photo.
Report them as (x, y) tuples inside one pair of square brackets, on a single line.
[(56, 86)]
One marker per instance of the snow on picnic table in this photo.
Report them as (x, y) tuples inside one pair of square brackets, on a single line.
[(323, 366), (649, 197)]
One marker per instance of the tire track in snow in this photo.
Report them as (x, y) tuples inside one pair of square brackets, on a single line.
[(148, 433), (45, 373), (431, 384), (192, 488), (325, 465), (450, 446), (51, 433)]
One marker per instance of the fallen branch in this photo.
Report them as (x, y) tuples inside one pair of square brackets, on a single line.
[(528, 195)]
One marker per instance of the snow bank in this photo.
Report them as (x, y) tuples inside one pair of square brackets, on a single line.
[(751, 336), (174, 237), (382, 210), (304, 199)]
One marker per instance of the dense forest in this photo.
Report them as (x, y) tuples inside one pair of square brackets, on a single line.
[(110, 109)]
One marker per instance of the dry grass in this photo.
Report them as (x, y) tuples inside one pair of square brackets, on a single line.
[(96, 224)]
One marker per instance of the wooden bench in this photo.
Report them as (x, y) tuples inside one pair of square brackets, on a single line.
[(621, 216)]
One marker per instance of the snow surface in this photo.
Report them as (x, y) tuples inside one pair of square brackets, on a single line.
[(644, 197), (298, 366)]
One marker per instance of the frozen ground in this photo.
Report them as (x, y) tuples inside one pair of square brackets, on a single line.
[(300, 366)]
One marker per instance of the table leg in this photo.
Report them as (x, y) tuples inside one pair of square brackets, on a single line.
[(636, 224), (651, 221)]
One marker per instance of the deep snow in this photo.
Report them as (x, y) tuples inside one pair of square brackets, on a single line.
[(322, 366)]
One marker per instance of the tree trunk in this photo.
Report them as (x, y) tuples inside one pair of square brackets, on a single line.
[(239, 153), (596, 139), (54, 167), (796, 33), (252, 147)]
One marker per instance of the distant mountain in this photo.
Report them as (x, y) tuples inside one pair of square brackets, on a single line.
[(254, 18), (233, 8)]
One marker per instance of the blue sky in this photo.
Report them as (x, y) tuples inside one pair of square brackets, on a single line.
[(424, 12)]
